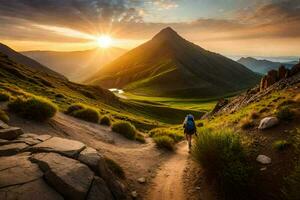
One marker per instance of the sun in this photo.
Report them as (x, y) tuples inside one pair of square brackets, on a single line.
[(104, 41)]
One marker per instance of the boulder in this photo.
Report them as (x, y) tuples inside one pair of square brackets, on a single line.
[(37, 189), (69, 177), (70, 148), (271, 78), (32, 139), (90, 157), (12, 149), (16, 170), (268, 122), (263, 159), (99, 190), (295, 69), (282, 72), (263, 83), (10, 133), (142, 180)]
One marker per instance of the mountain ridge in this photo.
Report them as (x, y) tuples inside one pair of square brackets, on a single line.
[(168, 59)]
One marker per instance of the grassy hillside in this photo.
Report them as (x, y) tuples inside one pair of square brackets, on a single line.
[(18, 79), (169, 65)]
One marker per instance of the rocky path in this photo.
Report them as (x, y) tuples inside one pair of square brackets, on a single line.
[(168, 183)]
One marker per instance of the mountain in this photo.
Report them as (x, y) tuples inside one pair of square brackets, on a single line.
[(24, 60), (76, 65), (169, 65), (263, 66)]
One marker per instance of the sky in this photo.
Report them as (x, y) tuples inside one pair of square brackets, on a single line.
[(229, 27)]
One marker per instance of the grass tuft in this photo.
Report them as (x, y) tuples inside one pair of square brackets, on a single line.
[(125, 128), (165, 142), (115, 168), (4, 96), (281, 145), (105, 120), (3, 116), (247, 123), (74, 107), (140, 138), (34, 108), (223, 157), (166, 132), (88, 114)]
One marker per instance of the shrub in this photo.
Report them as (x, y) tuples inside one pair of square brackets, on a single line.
[(285, 114), (125, 128), (4, 96), (165, 132), (87, 114), (34, 108), (75, 107), (3, 116), (247, 124), (165, 142), (105, 120), (115, 168), (291, 188), (140, 138), (223, 157), (281, 145)]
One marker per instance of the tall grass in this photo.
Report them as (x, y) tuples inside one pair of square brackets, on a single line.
[(223, 157), (125, 128), (84, 112)]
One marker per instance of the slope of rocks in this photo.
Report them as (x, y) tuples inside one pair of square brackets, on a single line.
[(45, 167)]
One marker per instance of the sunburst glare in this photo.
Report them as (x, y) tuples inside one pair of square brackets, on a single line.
[(104, 41)]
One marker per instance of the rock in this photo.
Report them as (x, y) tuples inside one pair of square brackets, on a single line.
[(3, 125), (263, 169), (10, 133), (12, 149), (69, 177), (16, 170), (99, 190), (142, 180), (37, 189), (282, 71), (134, 194), (90, 157), (268, 122), (32, 139), (198, 188), (295, 69), (66, 147), (115, 186), (263, 83), (263, 159)]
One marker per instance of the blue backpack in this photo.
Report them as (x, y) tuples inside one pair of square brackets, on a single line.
[(190, 124)]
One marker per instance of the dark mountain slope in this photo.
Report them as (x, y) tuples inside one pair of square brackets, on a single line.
[(169, 65), (21, 59)]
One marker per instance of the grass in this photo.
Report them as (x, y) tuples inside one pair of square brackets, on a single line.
[(224, 158), (285, 114), (75, 107), (164, 142), (105, 120), (247, 123), (281, 145), (4, 96), (125, 128), (3, 116), (176, 136), (34, 108), (291, 188), (87, 114), (140, 138), (115, 168)]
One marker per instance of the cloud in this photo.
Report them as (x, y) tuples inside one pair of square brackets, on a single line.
[(165, 4)]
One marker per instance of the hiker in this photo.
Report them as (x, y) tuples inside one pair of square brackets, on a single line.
[(189, 129)]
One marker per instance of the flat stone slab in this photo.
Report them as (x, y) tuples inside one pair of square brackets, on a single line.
[(3, 125), (35, 190), (10, 133), (99, 190), (16, 170), (12, 149), (90, 157), (66, 147), (69, 177), (41, 138)]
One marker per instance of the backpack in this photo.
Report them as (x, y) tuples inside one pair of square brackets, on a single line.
[(190, 124)]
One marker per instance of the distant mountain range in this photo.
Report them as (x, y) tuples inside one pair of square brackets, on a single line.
[(263, 66), (24, 60), (169, 65), (76, 65)]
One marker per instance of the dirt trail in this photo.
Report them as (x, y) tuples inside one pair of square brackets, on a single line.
[(168, 183)]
